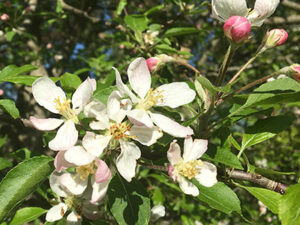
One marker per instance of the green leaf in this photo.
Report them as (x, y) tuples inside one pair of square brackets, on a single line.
[(3, 140), (26, 215), (269, 198), (23, 79), (128, 202), (10, 107), (265, 129), (12, 70), (154, 9), (4, 163), (58, 6), (219, 197), (103, 94), (136, 22), (289, 206), (210, 87), (10, 35), (176, 31), (21, 181), (70, 81), (121, 6), (264, 171)]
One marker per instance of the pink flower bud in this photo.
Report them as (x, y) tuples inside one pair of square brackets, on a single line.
[(4, 17), (49, 45), (237, 29), (152, 63), (276, 37), (1, 92), (294, 72)]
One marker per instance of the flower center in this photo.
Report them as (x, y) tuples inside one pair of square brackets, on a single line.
[(64, 109), (151, 99), (85, 170), (119, 130), (189, 169)]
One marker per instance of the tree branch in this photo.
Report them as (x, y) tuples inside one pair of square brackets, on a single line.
[(291, 4), (280, 20)]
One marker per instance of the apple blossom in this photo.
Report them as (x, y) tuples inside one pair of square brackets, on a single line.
[(53, 98), (237, 29), (172, 95), (223, 9), (157, 212), (183, 169), (294, 72), (276, 37), (154, 63), (4, 17)]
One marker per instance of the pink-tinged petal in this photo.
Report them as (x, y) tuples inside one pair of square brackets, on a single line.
[(60, 163), (45, 92), (171, 171), (175, 94), (56, 212), (139, 77), (99, 190), (82, 96), (73, 183), (117, 109), (45, 124), (126, 161), (78, 156), (173, 153), (103, 173), (145, 135), (95, 144), (65, 138), (188, 187), (55, 184), (194, 150), (139, 117), (208, 175), (223, 9), (124, 90), (74, 219), (170, 126)]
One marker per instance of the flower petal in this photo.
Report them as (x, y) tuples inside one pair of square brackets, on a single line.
[(65, 138), (45, 91), (103, 173), (170, 126), (73, 183), (223, 9), (95, 109), (208, 175), (73, 219), (60, 163), (117, 109), (82, 95), (124, 90), (55, 184), (157, 212), (95, 144), (45, 124), (126, 161), (139, 77), (78, 156), (187, 187), (173, 153), (56, 212), (193, 150), (93, 82), (99, 190), (140, 117), (145, 135), (175, 94)]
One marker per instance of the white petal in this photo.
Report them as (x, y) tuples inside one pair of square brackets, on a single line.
[(65, 138), (82, 96), (188, 187), (126, 161), (56, 212), (78, 156), (99, 125), (45, 124), (140, 117), (208, 175), (157, 212), (175, 94), (193, 150), (93, 82), (60, 162), (56, 185), (95, 109), (95, 144), (139, 77), (170, 126), (223, 9), (73, 219), (173, 153), (73, 183), (45, 91), (116, 109), (124, 90), (145, 135), (99, 190)]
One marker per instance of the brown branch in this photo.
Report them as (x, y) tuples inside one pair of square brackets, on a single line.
[(291, 4), (258, 179), (155, 167), (282, 21)]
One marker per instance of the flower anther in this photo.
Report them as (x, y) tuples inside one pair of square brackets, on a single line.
[(64, 108), (188, 169)]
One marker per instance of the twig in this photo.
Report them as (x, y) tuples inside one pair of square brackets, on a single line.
[(155, 167), (258, 179)]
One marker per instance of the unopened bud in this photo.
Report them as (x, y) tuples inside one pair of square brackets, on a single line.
[(294, 72), (237, 29), (4, 17), (1, 92), (276, 37), (154, 63)]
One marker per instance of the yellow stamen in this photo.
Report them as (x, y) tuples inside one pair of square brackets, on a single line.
[(64, 109), (189, 169), (152, 98), (119, 130), (85, 170)]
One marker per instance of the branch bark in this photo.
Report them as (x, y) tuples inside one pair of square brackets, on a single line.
[(291, 4)]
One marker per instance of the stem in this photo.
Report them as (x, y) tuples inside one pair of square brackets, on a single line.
[(188, 66), (227, 59), (155, 167)]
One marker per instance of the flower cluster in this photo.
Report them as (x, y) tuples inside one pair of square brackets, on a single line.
[(88, 156)]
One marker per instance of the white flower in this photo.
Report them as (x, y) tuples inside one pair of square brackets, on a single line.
[(53, 98), (223, 9), (109, 120), (157, 212), (172, 95), (189, 166)]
